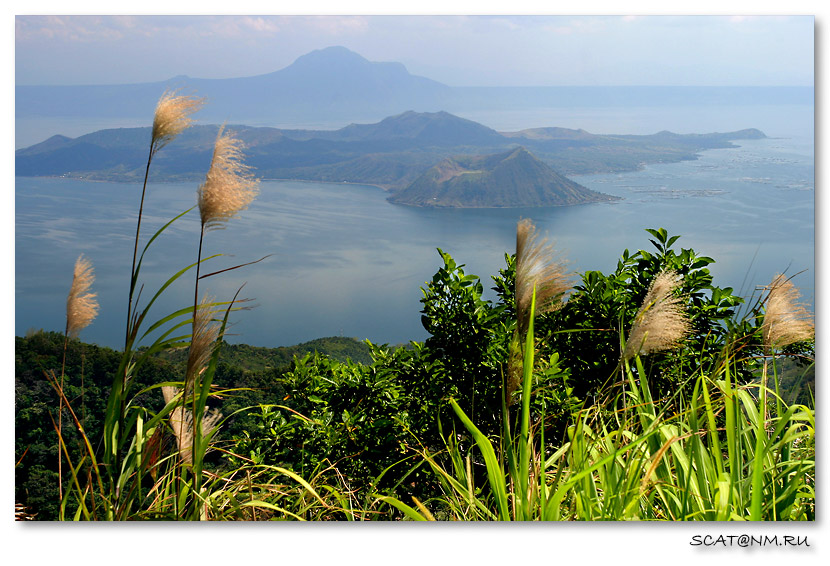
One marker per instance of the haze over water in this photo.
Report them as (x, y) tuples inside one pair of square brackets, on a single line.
[(346, 262)]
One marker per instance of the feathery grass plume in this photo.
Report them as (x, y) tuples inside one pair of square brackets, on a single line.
[(181, 422), (81, 306), (786, 320), (205, 334), (229, 186), (537, 265), (661, 322), (172, 116), (168, 392), (515, 363), (81, 309)]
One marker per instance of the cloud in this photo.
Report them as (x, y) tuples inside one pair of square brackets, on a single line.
[(233, 27), (338, 25), (577, 25), (90, 29), (259, 24), (506, 23), (71, 28)]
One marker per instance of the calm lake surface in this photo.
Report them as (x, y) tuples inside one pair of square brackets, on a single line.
[(347, 262)]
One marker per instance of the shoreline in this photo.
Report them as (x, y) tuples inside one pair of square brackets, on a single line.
[(389, 189)]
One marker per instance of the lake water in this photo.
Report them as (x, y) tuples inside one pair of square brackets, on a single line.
[(346, 262)]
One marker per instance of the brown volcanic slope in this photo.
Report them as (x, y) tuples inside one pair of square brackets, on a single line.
[(515, 179)]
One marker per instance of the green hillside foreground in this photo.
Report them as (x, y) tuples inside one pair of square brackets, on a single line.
[(256, 358), (371, 439), (254, 370)]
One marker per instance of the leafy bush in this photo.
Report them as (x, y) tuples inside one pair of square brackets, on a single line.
[(345, 414), (587, 331)]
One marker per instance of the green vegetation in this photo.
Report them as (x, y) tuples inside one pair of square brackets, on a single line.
[(648, 393), (255, 373), (253, 358)]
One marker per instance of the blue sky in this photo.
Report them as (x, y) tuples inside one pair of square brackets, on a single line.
[(456, 50)]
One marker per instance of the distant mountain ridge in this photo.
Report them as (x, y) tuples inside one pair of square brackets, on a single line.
[(505, 180), (336, 85), (323, 84), (410, 139), (391, 153)]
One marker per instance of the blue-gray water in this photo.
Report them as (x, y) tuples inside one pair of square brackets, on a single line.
[(346, 262)]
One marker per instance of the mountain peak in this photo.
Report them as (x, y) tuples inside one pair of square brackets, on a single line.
[(330, 84), (515, 178), (428, 128), (328, 55), (520, 152), (340, 61), (55, 142)]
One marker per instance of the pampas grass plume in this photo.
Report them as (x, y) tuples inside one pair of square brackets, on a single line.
[(660, 323), (537, 265), (205, 334), (172, 116), (81, 306), (786, 320), (229, 186), (181, 421)]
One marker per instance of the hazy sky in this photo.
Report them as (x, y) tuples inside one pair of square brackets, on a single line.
[(455, 50)]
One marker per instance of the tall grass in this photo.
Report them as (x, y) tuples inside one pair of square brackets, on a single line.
[(81, 310), (727, 454), (133, 476)]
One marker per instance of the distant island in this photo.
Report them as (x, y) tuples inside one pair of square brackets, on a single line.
[(392, 146), (511, 179), (392, 154)]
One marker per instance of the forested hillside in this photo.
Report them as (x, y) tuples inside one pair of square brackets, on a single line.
[(254, 372)]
